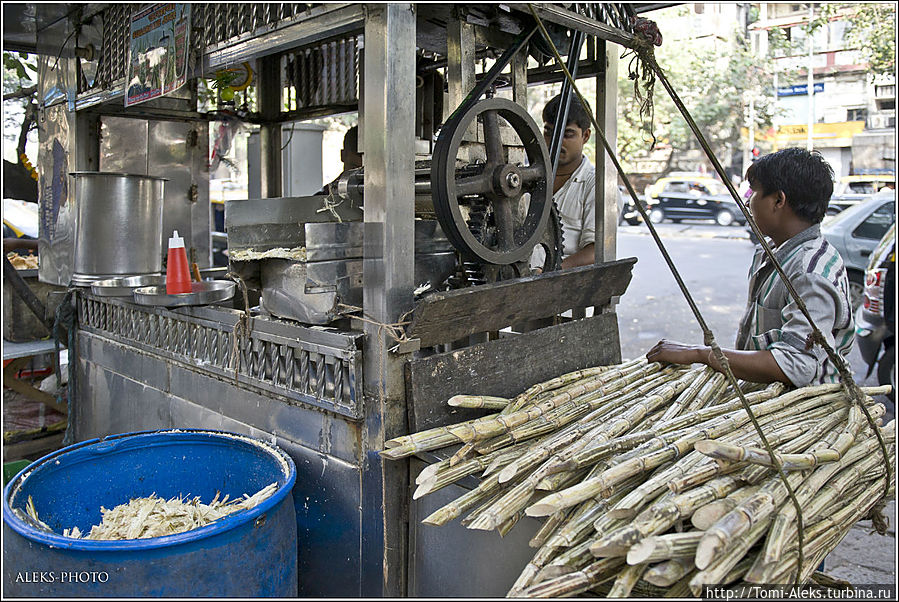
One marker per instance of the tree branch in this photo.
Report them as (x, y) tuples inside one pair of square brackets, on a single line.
[(23, 93)]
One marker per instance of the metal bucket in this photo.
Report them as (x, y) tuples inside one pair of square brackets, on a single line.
[(251, 553), (118, 225)]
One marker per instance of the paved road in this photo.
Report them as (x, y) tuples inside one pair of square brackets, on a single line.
[(714, 262)]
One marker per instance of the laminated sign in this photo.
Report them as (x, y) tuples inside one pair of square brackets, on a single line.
[(160, 37)]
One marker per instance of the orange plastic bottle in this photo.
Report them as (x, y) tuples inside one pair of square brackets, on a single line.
[(177, 276)]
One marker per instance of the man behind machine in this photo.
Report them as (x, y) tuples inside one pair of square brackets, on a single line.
[(349, 155), (790, 192), (574, 188)]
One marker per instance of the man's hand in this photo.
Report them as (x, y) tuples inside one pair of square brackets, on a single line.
[(755, 366), (672, 352)]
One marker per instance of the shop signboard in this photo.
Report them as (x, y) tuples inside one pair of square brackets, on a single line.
[(159, 40)]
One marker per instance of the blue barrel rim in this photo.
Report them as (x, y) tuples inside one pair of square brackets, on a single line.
[(222, 525)]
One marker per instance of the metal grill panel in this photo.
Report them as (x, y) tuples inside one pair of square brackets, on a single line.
[(282, 363), (321, 75), (212, 25)]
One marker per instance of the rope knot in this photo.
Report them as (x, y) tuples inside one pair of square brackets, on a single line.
[(646, 32), (814, 338)]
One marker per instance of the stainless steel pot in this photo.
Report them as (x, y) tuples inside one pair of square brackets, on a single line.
[(118, 225)]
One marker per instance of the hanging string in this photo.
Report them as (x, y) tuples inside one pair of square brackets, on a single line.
[(241, 327), (708, 336), (642, 74)]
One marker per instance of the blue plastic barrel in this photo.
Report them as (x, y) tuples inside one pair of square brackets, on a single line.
[(252, 553)]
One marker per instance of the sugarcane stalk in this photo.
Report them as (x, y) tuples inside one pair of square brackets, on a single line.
[(486, 402), (756, 509), (442, 474), (764, 569), (469, 500), (577, 582), (716, 385), (626, 580), (681, 589), (483, 506), (783, 522), (568, 561), (577, 375), (715, 570), (663, 547), (506, 526), (544, 554), (585, 431), (709, 514), (550, 526), (701, 377), (583, 520), (669, 572), (601, 384), (657, 482), (755, 455)]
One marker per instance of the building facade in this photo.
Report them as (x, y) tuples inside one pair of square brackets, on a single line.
[(850, 113)]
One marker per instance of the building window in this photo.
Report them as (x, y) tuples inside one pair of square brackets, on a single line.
[(886, 105), (856, 114)]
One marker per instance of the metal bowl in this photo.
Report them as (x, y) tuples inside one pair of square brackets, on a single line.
[(124, 287), (202, 293)]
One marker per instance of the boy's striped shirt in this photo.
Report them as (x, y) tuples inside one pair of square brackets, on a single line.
[(773, 321)]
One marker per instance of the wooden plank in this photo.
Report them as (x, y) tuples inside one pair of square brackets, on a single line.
[(506, 367), (32, 448), (448, 316)]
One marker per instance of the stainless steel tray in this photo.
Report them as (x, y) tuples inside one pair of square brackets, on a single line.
[(124, 287), (202, 293)]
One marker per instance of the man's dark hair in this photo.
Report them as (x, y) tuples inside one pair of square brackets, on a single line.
[(804, 177), (576, 113)]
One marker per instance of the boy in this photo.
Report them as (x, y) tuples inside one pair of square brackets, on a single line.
[(790, 192)]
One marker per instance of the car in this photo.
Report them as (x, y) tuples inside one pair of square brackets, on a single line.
[(856, 232), (694, 198), (875, 326), (850, 190), (674, 181)]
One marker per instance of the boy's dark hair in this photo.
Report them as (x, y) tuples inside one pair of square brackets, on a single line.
[(576, 113), (804, 177)]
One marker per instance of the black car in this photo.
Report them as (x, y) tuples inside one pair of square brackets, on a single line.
[(695, 200)]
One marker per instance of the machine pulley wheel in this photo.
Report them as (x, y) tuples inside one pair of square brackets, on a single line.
[(497, 181)]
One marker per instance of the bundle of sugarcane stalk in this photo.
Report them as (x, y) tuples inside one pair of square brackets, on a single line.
[(654, 476)]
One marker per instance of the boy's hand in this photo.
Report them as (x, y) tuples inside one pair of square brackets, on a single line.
[(672, 352)]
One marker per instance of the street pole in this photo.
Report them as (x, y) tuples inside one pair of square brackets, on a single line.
[(811, 79)]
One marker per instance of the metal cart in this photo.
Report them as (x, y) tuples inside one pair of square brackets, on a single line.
[(330, 393)]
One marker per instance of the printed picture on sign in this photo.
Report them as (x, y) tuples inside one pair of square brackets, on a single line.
[(160, 36)]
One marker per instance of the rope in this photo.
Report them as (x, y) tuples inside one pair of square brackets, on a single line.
[(640, 74), (708, 336), (394, 330), (241, 327), (64, 325)]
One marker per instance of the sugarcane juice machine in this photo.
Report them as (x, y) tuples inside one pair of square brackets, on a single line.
[(381, 299)]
